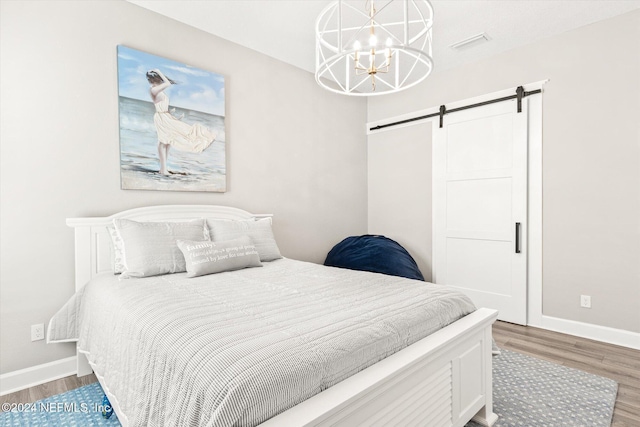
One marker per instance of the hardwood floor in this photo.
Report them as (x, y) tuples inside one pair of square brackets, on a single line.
[(618, 363)]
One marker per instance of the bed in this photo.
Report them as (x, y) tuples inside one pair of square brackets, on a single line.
[(443, 379)]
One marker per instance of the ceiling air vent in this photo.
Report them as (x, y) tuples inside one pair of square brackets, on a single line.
[(470, 41)]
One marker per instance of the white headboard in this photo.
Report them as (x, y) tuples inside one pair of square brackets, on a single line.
[(92, 246)]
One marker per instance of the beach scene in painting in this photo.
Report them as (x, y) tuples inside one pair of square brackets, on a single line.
[(172, 125)]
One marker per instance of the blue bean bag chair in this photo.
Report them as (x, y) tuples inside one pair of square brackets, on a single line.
[(378, 254)]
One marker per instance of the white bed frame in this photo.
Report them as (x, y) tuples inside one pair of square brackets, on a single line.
[(442, 380)]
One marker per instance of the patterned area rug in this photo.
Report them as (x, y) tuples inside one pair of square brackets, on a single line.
[(535, 393), (78, 408), (527, 392)]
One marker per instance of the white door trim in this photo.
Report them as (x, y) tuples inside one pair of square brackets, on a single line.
[(534, 213)]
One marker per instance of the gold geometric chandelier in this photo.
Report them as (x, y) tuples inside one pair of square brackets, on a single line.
[(366, 48)]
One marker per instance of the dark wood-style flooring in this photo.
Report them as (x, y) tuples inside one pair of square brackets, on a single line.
[(618, 363)]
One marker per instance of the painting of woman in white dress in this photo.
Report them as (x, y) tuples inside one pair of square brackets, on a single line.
[(172, 129)]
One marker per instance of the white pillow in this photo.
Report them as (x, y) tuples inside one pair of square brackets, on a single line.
[(117, 249), (215, 257), (150, 248), (259, 231)]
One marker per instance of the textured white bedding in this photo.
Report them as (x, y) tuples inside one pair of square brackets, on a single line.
[(236, 348)]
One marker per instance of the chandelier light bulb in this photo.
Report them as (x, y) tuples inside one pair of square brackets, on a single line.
[(373, 40), (357, 45), (389, 42)]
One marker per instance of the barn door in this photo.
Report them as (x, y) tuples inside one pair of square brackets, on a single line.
[(480, 206)]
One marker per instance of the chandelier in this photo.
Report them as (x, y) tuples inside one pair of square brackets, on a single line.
[(366, 48)]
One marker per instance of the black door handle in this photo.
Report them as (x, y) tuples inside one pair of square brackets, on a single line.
[(517, 237)]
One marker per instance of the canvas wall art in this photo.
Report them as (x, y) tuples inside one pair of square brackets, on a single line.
[(172, 125)]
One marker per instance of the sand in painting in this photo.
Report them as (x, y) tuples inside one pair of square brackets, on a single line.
[(139, 152)]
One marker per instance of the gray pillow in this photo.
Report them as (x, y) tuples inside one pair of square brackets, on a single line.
[(150, 248), (259, 231), (215, 257)]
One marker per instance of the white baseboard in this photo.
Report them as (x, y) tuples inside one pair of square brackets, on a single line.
[(36, 375), (594, 332)]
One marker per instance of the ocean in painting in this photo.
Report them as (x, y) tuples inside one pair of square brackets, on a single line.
[(139, 163)]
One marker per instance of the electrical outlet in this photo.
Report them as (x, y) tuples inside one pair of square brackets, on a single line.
[(585, 301), (37, 332)]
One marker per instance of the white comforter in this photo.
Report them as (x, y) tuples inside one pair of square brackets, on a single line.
[(237, 348)]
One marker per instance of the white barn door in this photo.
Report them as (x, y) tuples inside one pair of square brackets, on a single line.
[(480, 206)]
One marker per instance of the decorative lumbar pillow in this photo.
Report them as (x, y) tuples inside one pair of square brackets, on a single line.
[(215, 257), (117, 251), (259, 231), (150, 248)]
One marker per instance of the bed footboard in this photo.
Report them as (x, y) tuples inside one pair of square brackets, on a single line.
[(442, 380)]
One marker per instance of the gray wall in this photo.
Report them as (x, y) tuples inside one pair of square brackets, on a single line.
[(400, 189), (591, 160), (294, 149)]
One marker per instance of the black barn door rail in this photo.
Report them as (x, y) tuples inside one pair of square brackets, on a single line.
[(520, 93)]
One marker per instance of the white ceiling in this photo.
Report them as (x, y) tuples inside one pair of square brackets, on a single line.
[(284, 29)]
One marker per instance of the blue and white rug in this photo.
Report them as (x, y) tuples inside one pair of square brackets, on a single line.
[(527, 392), (78, 408)]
